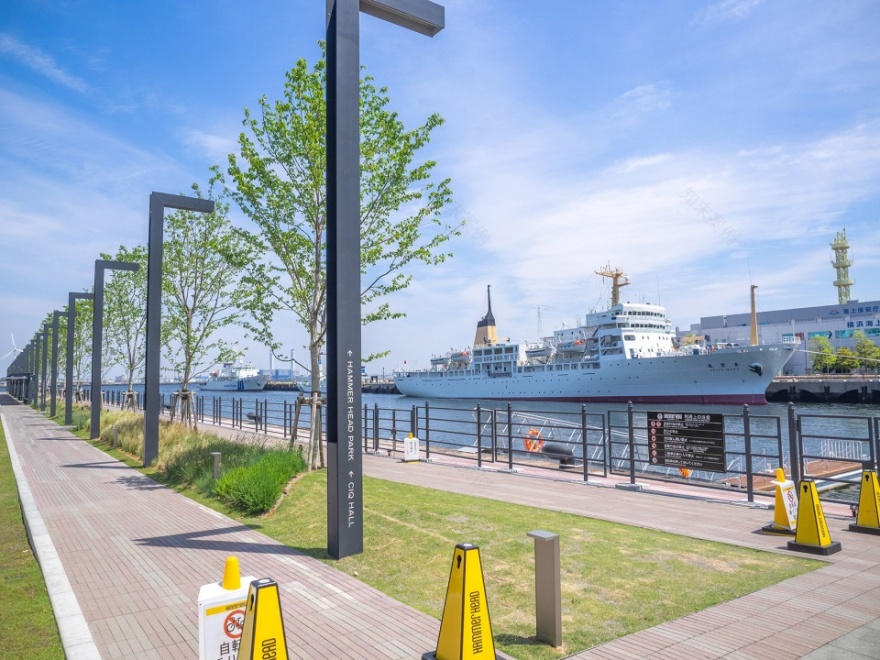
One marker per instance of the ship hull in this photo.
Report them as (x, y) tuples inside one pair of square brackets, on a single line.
[(250, 384), (734, 376)]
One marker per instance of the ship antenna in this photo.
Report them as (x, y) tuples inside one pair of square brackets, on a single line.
[(489, 297)]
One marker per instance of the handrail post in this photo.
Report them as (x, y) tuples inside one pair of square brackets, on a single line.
[(427, 431), (747, 442), (509, 438), (632, 441), (584, 441), (375, 427), (479, 438), (494, 435), (365, 420), (793, 453)]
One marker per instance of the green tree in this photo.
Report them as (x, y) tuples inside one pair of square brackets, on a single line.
[(867, 352), (823, 354), (278, 180), (845, 361), (82, 343), (125, 313), (201, 283)]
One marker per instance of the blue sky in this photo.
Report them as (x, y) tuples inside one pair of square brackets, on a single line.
[(699, 146)]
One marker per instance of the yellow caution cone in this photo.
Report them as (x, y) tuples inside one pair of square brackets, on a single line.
[(785, 507), (812, 531), (263, 634), (868, 517), (465, 629)]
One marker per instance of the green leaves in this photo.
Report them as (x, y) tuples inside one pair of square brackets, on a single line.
[(278, 180), (203, 290)]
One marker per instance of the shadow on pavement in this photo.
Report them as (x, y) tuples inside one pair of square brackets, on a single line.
[(197, 541)]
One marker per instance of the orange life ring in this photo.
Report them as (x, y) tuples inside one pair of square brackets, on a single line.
[(685, 472), (533, 441)]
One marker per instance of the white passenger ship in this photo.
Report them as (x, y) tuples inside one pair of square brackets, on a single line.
[(627, 353), (235, 378)]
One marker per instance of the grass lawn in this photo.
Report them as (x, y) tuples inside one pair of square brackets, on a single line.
[(615, 579), (27, 627)]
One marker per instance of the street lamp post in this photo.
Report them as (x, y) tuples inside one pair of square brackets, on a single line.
[(345, 532), (98, 337), (45, 366), (72, 297), (32, 370), (158, 203), (54, 386)]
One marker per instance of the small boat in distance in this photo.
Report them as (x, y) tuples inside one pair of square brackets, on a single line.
[(233, 377)]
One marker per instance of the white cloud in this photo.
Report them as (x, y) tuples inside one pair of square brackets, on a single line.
[(40, 62), (546, 230), (726, 11), (211, 145), (643, 100)]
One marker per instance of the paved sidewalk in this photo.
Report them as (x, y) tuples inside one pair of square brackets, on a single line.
[(136, 553)]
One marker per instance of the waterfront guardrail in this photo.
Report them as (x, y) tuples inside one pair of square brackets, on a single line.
[(833, 450)]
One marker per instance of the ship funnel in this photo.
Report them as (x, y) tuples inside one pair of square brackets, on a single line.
[(486, 331)]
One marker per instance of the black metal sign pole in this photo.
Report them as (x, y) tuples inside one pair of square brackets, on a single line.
[(54, 386), (68, 371), (158, 203), (98, 337), (345, 528)]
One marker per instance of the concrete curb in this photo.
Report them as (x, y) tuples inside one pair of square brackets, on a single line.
[(76, 638)]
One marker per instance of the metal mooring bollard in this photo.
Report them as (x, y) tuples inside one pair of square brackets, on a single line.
[(216, 456), (548, 592)]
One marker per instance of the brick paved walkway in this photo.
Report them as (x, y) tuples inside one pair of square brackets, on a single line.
[(136, 553)]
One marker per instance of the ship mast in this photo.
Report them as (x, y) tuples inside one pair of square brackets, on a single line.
[(753, 338), (618, 281)]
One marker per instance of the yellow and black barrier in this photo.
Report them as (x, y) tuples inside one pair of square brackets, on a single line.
[(868, 516), (812, 531), (263, 631), (465, 629)]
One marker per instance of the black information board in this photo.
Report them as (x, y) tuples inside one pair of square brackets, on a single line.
[(687, 440)]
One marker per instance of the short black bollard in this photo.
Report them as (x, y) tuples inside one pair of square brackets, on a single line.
[(548, 591)]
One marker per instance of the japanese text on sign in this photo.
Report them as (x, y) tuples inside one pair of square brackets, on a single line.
[(686, 440)]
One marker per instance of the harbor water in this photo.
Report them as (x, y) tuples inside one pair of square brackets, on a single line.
[(825, 419)]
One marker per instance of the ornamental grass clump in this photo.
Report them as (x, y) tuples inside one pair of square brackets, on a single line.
[(255, 488)]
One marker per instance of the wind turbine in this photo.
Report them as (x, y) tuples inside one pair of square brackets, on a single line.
[(15, 350)]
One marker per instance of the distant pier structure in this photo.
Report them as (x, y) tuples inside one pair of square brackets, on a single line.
[(841, 264)]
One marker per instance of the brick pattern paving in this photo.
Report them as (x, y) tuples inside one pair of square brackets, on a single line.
[(137, 554)]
